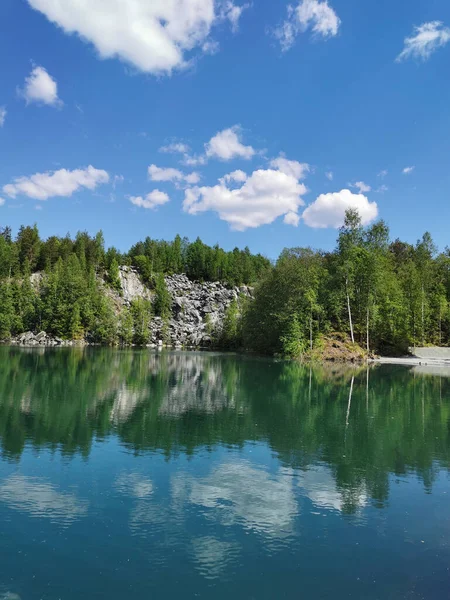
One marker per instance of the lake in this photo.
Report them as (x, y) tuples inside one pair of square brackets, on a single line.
[(131, 474)]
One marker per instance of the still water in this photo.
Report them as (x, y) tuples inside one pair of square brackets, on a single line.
[(129, 474)]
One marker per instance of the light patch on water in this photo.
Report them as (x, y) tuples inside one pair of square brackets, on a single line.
[(212, 557), (237, 492), (39, 498), (319, 485), (134, 485)]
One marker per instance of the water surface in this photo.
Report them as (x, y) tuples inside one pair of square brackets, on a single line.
[(129, 474)]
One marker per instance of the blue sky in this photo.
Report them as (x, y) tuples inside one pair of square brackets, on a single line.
[(279, 113)]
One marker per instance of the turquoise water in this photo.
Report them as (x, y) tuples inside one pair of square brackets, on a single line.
[(128, 474)]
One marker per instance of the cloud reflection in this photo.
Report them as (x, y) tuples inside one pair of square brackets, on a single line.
[(238, 493), (38, 498)]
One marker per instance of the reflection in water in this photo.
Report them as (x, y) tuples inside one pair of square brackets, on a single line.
[(39, 498), (193, 471), (239, 493), (319, 485), (212, 557), (364, 428), (132, 484)]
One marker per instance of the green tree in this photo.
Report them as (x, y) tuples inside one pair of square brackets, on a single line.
[(141, 311)]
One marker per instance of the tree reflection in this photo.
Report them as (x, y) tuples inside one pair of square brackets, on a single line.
[(364, 427)]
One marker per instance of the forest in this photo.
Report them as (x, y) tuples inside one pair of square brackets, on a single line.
[(382, 295)]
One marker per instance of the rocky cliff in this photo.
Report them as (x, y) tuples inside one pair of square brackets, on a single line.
[(198, 310)]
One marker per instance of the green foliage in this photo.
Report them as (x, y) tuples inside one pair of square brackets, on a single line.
[(163, 300), (113, 275), (126, 327), (294, 343), (231, 335), (141, 311), (387, 295), (199, 261)]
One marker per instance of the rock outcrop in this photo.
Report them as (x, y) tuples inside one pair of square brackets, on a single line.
[(197, 315), (132, 286), (198, 311), (42, 339)]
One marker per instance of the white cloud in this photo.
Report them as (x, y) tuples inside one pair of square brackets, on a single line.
[(118, 179), (290, 167), (263, 197), (226, 145), (193, 161), (41, 88), (192, 178), (2, 201), (291, 218), (382, 189), (175, 148), (151, 200), (408, 170), (155, 36), (42, 186), (233, 13), (2, 115), (426, 39), (383, 173), (328, 210), (361, 186), (315, 15), (329, 175), (236, 176), (170, 174)]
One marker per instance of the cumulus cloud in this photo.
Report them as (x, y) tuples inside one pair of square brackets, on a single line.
[(382, 189), (42, 186), (328, 210), (152, 200), (329, 175), (291, 218), (236, 176), (154, 36), (314, 15), (290, 167), (263, 197), (40, 88), (361, 186), (425, 40), (170, 174), (2, 115), (227, 144), (408, 170), (383, 173)]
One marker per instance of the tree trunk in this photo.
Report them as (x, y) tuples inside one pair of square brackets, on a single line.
[(367, 330), (311, 331), (349, 312), (423, 316)]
